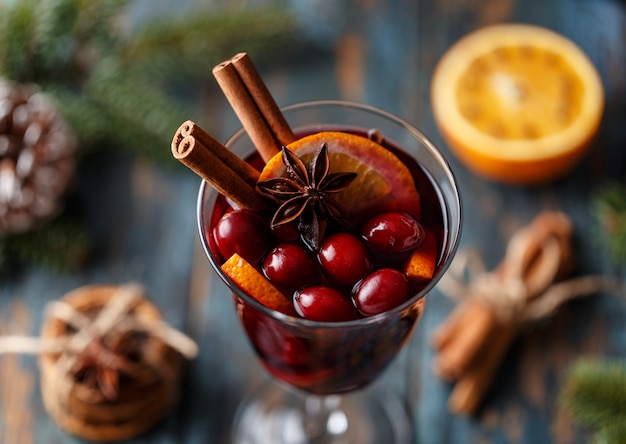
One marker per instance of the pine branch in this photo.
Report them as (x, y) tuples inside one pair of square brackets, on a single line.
[(98, 21), (192, 45), (61, 244), (17, 26), (68, 46), (610, 205), (53, 42), (111, 83), (4, 38), (611, 434), (64, 38), (86, 119), (144, 119), (595, 393)]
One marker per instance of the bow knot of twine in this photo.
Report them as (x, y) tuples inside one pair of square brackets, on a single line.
[(507, 298)]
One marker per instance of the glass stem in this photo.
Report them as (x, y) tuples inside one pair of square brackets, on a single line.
[(323, 418)]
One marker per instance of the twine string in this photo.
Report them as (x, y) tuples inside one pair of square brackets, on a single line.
[(525, 286), (114, 317)]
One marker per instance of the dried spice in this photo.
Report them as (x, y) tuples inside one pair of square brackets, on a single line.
[(304, 194), (102, 363)]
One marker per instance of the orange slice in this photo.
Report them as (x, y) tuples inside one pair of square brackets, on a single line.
[(517, 103), (383, 182), (423, 260), (248, 279)]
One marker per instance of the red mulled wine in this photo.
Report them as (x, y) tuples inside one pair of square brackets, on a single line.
[(342, 355)]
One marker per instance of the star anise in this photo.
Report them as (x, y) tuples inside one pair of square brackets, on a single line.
[(304, 194), (101, 366)]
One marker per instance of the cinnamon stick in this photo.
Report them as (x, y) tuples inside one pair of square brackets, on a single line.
[(253, 105), (263, 98), (246, 171), (460, 341), (472, 385), (215, 163)]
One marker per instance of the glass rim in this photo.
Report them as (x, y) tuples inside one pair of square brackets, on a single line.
[(206, 191)]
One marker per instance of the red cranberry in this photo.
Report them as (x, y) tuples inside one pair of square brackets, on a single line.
[(272, 339), (382, 290), (324, 304), (242, 232), (291, 267), (393, 233), (344, 258), (287, 232)]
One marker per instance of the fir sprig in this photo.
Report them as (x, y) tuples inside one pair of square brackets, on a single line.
[(109, 78), (595, 394), (187, 46), (610, 204), (112, 81), (61, 244)]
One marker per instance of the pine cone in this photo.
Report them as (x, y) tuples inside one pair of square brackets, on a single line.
[(37, 158)]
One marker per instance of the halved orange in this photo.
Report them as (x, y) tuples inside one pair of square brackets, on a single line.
[(248, 279), (383, 182), (517, 103)]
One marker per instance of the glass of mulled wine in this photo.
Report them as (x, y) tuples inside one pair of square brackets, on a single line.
[(316, 362)]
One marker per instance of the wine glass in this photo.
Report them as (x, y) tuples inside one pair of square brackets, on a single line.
[(316, 363)]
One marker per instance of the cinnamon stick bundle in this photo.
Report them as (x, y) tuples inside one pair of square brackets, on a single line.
[(254, 105), (474, 339)]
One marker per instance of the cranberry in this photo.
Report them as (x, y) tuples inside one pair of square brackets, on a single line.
[(291, 267), (344, 258), (242, 232), (325, 304), (382, 290), (287, 232), (393, 233), (272, 339)]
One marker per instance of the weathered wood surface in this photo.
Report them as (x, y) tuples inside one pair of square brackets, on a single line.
[(382, 53)]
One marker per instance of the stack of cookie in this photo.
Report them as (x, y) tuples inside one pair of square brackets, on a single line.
[(116, 373)]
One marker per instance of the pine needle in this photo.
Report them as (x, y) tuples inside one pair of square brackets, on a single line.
[(17, 45), (611, 209), (143, 117), (191, 46), (595, 394), (61, 244)]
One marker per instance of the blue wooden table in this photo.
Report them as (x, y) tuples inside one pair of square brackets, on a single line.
[(382, 53)]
